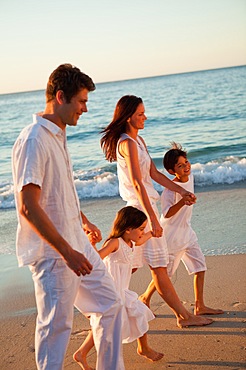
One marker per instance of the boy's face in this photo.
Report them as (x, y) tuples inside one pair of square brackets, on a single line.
[(182, 169)]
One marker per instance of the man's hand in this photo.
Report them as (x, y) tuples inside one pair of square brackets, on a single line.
[(77, 262)]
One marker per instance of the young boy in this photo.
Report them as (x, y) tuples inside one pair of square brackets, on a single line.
[(181, 239)]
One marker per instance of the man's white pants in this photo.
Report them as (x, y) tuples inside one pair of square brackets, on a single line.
[(57, 290)]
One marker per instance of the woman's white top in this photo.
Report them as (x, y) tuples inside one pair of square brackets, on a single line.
[(126, 188)]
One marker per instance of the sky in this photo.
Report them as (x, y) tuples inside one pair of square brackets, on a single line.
[(113, 40)]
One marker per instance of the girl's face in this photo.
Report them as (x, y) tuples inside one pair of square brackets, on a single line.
[(182, 168), (135, 234), (138, 118)]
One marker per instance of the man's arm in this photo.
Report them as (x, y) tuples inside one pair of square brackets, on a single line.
[(43, 226)]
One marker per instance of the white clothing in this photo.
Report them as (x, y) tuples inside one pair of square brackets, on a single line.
[(126, 189), (181, 238), (56, 288), (177, 228), (192, 258), (40, 157), (154, 251), (135, 314)]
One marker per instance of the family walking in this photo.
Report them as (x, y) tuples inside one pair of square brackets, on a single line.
[(54, 237)]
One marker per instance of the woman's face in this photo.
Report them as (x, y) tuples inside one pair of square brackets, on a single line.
[(138, 118)]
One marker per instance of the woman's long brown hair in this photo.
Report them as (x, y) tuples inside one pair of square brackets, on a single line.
[(124, 109)]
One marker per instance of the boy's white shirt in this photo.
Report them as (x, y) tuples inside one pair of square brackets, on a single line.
[(177, 229)]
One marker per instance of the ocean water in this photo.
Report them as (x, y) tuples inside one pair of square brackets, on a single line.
[(204, 111)]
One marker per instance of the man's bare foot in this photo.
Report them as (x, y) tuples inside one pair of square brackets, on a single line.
[(150, 354), (144, 300), (193, 321), (207, 311), (81, 360)]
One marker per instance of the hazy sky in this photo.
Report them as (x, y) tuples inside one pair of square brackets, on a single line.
[(116, 40)]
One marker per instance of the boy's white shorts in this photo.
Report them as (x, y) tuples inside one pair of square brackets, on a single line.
[(192, 257)]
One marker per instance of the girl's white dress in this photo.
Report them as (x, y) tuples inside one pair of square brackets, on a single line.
[(136, 314)]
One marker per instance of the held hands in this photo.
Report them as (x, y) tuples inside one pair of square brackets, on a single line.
[(93, 237), (188, 198), (156, 228), (92, 232)]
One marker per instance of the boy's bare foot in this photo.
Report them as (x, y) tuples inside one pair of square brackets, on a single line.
[(144, 300), (150, 354), (207, 311), (81, 361), (193, 321)]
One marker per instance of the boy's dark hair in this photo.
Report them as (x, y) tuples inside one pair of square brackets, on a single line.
[(172, 155), (70, 80)]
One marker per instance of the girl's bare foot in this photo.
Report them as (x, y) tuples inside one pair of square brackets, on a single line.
[(207, 311), (150, 354), (193, 321), (81, 361)]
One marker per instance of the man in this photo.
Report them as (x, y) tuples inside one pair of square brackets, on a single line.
[(66, 270)]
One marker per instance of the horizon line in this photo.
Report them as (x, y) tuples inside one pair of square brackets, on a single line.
[(137, 78)]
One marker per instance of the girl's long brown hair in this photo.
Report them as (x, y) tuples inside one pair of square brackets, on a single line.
[(124, 109), (127, 218)]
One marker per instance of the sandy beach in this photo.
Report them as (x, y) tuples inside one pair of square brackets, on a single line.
[(218, 220), (220, 345)]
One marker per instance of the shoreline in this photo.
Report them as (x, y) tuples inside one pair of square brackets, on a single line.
[(218, 220), (217, 345)]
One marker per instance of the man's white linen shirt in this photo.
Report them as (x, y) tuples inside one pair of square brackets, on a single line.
[(40, 157)]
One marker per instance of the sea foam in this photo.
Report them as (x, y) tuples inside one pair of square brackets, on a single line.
[(101, 183)]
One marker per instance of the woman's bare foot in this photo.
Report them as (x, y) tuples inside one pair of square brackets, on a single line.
[(150, 354), (207, 311), (193, 321), (81, 360)]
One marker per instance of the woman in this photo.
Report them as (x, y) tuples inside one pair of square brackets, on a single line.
[(136, 170)]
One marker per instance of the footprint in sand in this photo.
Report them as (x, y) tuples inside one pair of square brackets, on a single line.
[(236, 304)]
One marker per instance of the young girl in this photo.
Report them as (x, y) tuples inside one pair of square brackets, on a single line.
[(117, 253)]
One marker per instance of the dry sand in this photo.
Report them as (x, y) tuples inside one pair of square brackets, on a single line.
[(221, 345), (219, 220)]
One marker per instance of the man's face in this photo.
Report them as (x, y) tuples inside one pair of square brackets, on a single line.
[(70, 112)]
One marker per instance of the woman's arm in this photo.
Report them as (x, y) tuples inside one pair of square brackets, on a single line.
[(128, 150), (110, 246)]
